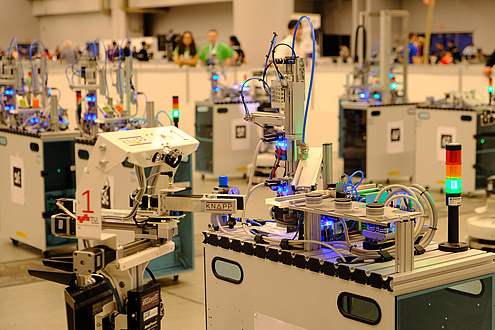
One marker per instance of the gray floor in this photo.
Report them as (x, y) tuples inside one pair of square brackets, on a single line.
[(40, 304)]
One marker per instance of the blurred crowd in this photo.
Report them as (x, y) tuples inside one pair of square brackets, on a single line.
[(186, 52)]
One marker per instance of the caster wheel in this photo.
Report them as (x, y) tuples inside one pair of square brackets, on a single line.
[(202, 176), (176, 277), (15, 242)]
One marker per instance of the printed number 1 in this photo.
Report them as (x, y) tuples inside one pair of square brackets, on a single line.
[(88, 210)]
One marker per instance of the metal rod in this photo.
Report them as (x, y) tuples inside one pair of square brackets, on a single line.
[(327, 172), (453, 224), (54, 113), (150, 114), (404, 249)]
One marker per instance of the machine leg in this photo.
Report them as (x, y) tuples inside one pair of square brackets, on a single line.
[(15, 242)]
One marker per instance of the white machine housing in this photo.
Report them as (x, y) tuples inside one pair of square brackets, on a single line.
[(142, 147)]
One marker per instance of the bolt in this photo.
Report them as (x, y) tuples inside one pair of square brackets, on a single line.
[(103, 147), (121, 284), (117, 266), (103, 163)]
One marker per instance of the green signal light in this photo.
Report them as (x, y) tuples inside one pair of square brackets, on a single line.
[(393, 86), (490, 89), (58, 170), (482, 141), (453, 186), (175, 113)]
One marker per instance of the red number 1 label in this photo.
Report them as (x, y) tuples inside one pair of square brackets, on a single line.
[(88, 210)]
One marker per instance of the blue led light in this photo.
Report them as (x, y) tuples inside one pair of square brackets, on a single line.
[(390, 75), (91, 117), (393, 85), (9, 92), (281, 144), (376, 96), (216, 77), (49, 92), (91, 98), (362, 95), (135, 97), (34, 121), (216, 89)]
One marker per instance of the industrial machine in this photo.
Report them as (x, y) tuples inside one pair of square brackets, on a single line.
[(383, 273), (224, 134), (460, 117), (221, 129), (105, 275), (379, 140), (435, 128), (38, 153), (97, 112), (375, 119)]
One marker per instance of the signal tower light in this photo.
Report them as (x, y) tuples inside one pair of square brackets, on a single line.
[(175, 110), (453, 189)]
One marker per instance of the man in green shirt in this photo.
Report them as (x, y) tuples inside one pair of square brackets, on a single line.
[(215, 51)]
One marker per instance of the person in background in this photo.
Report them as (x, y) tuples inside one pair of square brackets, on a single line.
[(215, 50), (469, 52), (344, 53), (134, 52), (456, 54), (479, 55), (490, 61), (57, 53), (143, 53), (113, 52), (239, 57), (420, 42), (68, 54), (186, 52), (439, 52), (447, 58), (413, 50), (299, 47), (45, 53), (127, 50)]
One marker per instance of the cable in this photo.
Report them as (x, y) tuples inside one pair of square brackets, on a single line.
[(298, 226), (120, 58), (151, 274), (19, 59), (117, 298), (106, 58), (312, 70), (33, 72), (349, 183), (272, 43), (242, 92), (356, 57), (280, 76), (63, 208), (168, 115)]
